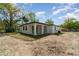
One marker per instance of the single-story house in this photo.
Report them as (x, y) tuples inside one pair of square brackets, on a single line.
[(37, 28)]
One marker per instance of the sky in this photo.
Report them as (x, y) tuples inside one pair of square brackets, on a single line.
[(57, 12)]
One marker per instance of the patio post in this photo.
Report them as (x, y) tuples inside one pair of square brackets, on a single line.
[(35, 29), (42, 29)]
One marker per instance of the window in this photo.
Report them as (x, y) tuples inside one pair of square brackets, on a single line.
[(23, 27), (33, 29), (26, 28)]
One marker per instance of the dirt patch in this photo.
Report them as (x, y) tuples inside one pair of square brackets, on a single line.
[(65, 44), (13, 46)]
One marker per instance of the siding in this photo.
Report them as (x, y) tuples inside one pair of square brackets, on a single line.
[(29, 29), (50, 29)]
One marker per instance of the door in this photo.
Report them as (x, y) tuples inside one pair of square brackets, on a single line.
[(45, 29), (32, 29), (39, 29)]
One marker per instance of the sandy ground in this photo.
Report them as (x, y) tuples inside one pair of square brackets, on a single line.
[(13, 46), (65, 44)]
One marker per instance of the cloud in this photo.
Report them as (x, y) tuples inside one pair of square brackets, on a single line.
[(39, 13), (57, 11), (54, 7), (71, 15), (68, 15), (60, 17), (77, 10), (61, 10), (74, 14), (64, 9)]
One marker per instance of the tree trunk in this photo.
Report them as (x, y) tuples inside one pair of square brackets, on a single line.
[(10, 28)]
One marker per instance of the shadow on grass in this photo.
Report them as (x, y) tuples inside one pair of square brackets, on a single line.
[(35, 36), (6, 33), (29, 36), (3, 34), (40, 36), (58, 34)]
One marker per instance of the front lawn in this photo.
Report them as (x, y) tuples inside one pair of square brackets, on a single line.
[(21, 36)]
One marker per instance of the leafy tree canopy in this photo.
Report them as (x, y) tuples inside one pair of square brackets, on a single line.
[(71, 23), (49, 21)]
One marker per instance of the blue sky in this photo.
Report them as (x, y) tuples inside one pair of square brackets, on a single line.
[(57, 12)]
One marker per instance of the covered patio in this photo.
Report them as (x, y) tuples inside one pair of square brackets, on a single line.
[(38, 29)]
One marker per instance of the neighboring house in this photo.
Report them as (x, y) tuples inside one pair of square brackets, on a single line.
[(37, 28)]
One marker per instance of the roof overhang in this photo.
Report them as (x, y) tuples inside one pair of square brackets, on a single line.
[(39, 23)]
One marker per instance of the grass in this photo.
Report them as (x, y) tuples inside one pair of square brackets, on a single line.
[(28, 37), (21, 36), (1, 30)]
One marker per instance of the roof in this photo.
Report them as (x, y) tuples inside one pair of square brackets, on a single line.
[(39, 23)]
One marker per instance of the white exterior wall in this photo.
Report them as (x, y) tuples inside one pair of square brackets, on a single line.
[(50, 29), (58, 28), (54, 29), (29, 29)]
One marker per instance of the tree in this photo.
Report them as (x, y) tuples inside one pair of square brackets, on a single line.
[(28, 17), (71, 24), (76, 26), (32, 17), (1, 24), (49, 21), (10, 10), (24, 20)]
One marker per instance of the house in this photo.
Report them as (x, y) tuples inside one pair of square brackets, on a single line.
[(37, 28)]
